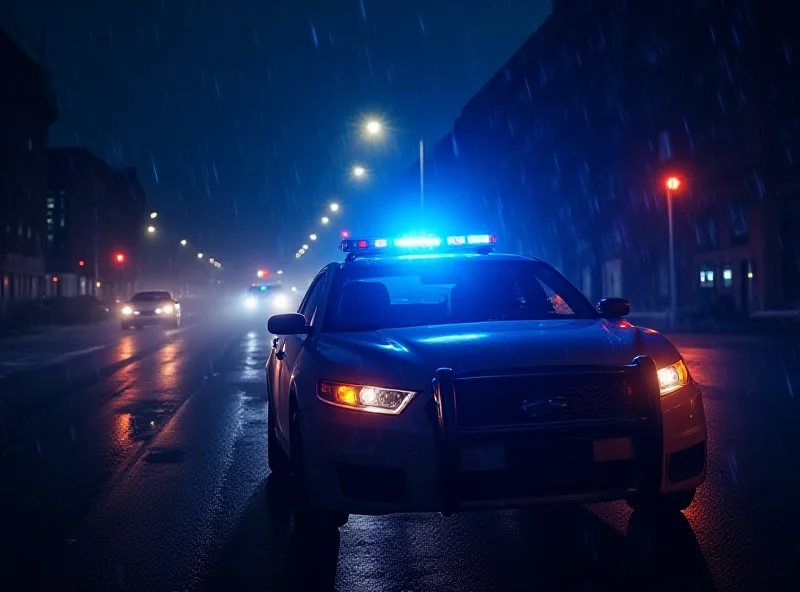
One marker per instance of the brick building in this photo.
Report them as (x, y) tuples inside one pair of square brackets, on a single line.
[(564, 152), (93, 213), (27, 110)]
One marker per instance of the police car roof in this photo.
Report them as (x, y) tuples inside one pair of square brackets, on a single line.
[(376, 259)]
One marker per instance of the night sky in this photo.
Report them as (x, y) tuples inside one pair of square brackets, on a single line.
[(243, 116)]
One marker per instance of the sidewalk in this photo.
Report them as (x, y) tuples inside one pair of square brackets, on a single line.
[(777, 323)]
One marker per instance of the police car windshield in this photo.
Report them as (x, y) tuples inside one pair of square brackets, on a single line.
[(440, 291), (263, 290), (151, 297)]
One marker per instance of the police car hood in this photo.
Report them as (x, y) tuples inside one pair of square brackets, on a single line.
[(410, 356)]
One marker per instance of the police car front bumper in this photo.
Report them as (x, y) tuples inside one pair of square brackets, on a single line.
[(425, 460)]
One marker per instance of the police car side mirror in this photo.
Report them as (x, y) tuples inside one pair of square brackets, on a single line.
[(288, 324), (613, 308)]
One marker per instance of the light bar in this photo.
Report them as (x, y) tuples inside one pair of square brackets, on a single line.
[(475, 241)]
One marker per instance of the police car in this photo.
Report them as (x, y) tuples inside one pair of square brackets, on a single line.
[(431, 374), (267, 297)]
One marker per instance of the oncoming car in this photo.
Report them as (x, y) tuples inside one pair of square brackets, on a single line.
[(151, 308), (433, 375), (271, 298)]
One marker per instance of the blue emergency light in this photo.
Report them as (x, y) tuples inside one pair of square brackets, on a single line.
[(476, 242)]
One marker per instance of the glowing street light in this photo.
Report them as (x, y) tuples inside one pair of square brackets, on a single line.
[(373, 127), (312, 236), (120, 257), (211, 261), (359, 171), (183, 242), (151, 229), (325, 220), (199, 255), (672, 183), (153, 215), (297, 255), (334, 207), (305, 247), (279, 272)]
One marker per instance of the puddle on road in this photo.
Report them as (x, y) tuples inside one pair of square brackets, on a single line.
[(141, 420)]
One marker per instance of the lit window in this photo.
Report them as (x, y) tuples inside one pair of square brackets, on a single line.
[(707, 277), (727, 276)]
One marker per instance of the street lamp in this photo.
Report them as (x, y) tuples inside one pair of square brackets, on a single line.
[(151, 229), (359, 171), (279, 272), (211, 261), (312, 236), (334, 207), (373, 127), (183, 242), (199, 255), (305, 247), (325, 220), (120, 257), (672, 184), (154, 215)]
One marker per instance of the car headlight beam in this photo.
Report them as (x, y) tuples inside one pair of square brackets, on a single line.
[(251, 302), (673, 377), (127, 310), (373, 399)]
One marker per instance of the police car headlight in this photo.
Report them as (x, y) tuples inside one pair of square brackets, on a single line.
[(250, 302), (373, 399), (127, 310), (673, 377), (167, 309)]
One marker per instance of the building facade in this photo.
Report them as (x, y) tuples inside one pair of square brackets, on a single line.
[(565, 151), (27, 110), (95, 218)]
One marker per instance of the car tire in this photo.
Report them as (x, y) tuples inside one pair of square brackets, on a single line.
[(307, 516), (665, 502), (277, 459)]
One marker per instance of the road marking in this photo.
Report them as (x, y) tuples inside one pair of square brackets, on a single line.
[(44, 359)]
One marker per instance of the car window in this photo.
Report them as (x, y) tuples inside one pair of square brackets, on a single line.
[(441, 290), (312, 299)]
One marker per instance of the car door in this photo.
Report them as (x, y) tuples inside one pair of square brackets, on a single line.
[(287, 351)]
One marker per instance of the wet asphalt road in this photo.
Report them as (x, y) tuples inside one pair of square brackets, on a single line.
[(138, 462)]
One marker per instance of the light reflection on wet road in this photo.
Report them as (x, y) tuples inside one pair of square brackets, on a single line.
[(154, 478)]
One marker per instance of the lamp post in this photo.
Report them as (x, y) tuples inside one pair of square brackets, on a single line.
[(672, 184)]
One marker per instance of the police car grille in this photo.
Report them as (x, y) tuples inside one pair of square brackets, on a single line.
[(542, 399)]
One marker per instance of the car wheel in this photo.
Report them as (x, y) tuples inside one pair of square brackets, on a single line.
[(276, 456), (307, 516), (665, 502)]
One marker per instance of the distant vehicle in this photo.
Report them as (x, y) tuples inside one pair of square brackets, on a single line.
[(461, 379), (151, 308), (271, 298)]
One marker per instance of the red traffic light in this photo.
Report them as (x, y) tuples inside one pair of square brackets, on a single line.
[(672, 183), (345, 234), (120, 257), (81, 263)]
